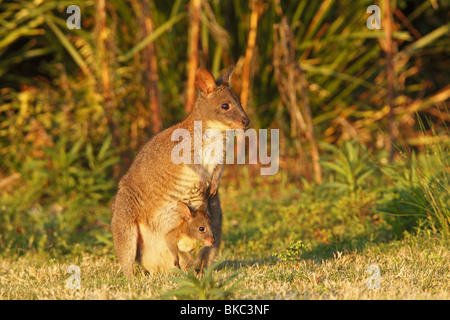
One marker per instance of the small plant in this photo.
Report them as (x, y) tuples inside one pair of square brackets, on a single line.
[(351, 165), (422, 185), (293, 252), (421, 191), (206, 287)]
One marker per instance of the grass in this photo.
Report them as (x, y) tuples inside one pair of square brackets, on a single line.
[(412, 268), (282, 243)]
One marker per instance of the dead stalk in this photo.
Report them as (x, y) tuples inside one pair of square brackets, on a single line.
[(152, 71), (390, 75), (291, 82), (194, 31)]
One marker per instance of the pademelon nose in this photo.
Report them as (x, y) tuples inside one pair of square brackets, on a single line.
[(245, 121), (209, 241)]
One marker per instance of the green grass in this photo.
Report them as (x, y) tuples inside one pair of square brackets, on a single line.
[(412, 268)]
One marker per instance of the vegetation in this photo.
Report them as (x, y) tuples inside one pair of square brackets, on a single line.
[(364, 148)]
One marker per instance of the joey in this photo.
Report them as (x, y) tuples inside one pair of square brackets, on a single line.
[(194, 227)]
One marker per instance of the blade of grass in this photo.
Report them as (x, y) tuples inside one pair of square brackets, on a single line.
[(152, 37), (68, 46)]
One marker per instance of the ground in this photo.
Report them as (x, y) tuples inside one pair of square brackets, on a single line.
[(256, 254)]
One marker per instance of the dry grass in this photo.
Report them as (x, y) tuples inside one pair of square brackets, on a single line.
[(412, 268)]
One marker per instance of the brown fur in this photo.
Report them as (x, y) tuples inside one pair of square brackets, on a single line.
[(144, 208)]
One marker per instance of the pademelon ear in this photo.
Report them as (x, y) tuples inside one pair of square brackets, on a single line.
[(226, 78), (184, 211), (205, 82)]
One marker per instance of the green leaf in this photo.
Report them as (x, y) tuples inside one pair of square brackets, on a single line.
[(152, 37), (335, 167), (68, 46), (104, 148)]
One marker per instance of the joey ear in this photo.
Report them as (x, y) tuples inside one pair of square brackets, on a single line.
[(205, 82), (226, 78), (184, 210)]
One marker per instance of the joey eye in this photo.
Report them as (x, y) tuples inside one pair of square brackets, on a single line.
[(201, 229), (225, 106)]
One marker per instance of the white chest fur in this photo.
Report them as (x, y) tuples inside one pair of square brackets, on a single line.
[(214, 149)]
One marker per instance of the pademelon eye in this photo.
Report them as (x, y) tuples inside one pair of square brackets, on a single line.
[(201, 229), (225, 106)]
